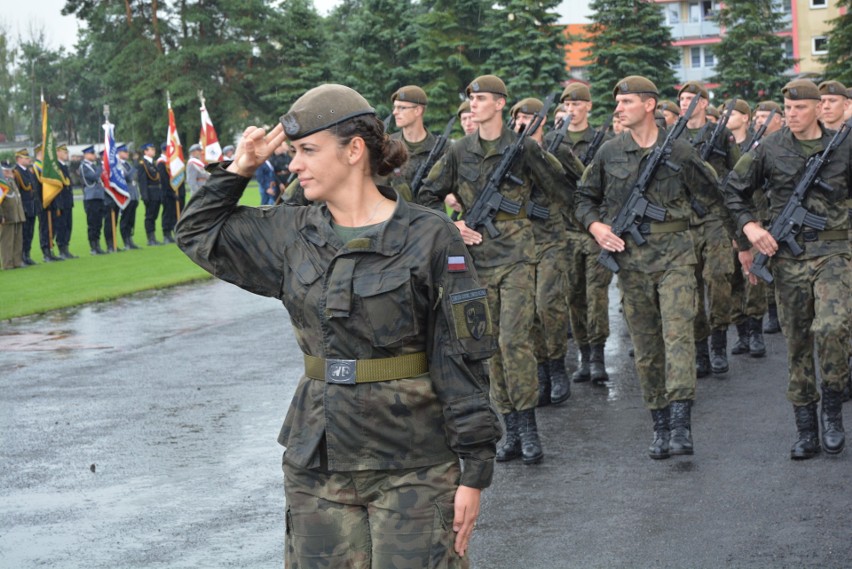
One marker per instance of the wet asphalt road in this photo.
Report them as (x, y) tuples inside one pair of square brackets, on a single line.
[(141, 433)]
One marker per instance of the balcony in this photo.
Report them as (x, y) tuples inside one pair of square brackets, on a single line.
[(684, 30)]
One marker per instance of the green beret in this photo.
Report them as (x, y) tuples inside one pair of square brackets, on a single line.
[(695, 87), (487, 84), (768, 106), (576, 92), (712, 111), (740, 106), (529, 106), (669, 106), (635, 85), (411, 94), (833, 88), (463, 108), (323, 107), (801, 89)]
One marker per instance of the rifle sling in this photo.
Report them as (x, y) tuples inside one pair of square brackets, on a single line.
[(503, 216), (654, 228)]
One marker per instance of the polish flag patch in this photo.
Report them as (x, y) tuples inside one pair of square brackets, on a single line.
[(456, 264)]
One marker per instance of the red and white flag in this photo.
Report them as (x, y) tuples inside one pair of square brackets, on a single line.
[(174, 153), (112, 176), (212, 150)]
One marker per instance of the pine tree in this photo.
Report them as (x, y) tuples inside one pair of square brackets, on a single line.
[(529, 54), (751, 59), (628, 37), (839, 58)]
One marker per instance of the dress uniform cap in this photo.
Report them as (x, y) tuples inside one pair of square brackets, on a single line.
[(195, 147), (411, 94), (768, 106), (741, 106), (635, 85), (22, 152), (229, 148), (62, 147), (576, 92), (163, 146), (323, 107), (487, 84), (89, 150), (669, 106), (146, 146), (529, 106), (6, 165), (121, 148), (37, 148), (801, 89), (833, 88), (463, 108), (696, 87)]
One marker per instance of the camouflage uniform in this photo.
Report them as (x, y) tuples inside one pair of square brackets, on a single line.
[(404, 289), (657, 280), (504, 263), (418, 152)]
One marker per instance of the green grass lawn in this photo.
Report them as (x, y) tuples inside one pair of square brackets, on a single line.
[(48, 286)]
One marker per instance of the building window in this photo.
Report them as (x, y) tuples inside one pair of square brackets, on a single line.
[(819, 3), (788, 48), (672, 12), (819, 45), (702, 11), (701, 57), (709, 57)]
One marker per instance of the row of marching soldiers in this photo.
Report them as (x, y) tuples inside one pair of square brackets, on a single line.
[(686, 282), (22, 206)]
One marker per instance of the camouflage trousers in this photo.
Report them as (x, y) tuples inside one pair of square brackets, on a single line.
[(713, 272), (747, 300), (511, 300), (660, 312), (550, 333), (588, 290), (371, 519), (813, 297)]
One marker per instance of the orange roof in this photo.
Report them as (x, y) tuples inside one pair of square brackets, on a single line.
[(576, 50)]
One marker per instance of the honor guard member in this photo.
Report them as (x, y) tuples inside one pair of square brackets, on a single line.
[(657, 279), (127, 223), (588, 280), (26, 181), (46, 215), (835, 100), (196, 175), (63, 223), (12, 220), (409, 105), (395, 330), (150, 190), (551, 254), (715, 253), (173, 200), (504, 263), (670, 110), (812, 289), (94, 199)]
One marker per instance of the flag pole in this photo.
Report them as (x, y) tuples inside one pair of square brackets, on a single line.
[(44, 149), (111, 209), (168, 167)]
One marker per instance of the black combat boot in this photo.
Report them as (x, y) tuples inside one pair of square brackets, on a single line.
[(680, 423), (583, 373), (772, 324), (28, 260), (129, 244), (756, 345), (702, 358), (831, 417), (48, 256), (596, 363), (544, 384), (743, 334), (168, 237), (719, 351), (560, 387), (847, 391), (807, 446), (530, 443), (510, 449), (95, 248), (152, 240), (66, 254), (660, 446)]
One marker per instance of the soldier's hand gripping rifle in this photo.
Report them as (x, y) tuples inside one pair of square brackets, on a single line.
[(637, 207), (596, 142), (794, 216), (490, 201), (434, 154)]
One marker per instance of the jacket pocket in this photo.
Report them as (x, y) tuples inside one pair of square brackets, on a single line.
[(388, 305), (297, 282)]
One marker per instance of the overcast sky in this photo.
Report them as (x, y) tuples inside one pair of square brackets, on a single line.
[(16, 17)]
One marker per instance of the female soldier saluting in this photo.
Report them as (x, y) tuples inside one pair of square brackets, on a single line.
[(394, 327)]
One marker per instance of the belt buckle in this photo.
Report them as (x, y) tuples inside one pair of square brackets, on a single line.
[(340, 372), (810, 236)]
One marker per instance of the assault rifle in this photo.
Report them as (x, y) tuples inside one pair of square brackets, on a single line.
[(434, 154), (596, 141), (637, 207), (535, 211), (490, 201), (794, 216), (710, 146), (758, 135)]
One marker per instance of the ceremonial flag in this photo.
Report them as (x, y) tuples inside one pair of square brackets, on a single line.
[(208, 140), (50, 174), (174, 153), (4, 189), (112, 175)]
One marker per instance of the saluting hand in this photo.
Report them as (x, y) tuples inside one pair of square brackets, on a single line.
[(255, 148), (466, 511)]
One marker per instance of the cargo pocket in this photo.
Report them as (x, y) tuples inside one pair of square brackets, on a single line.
[(388, 305), (441, 553), (294, 289)]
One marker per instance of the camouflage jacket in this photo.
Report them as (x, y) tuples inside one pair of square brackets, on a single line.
[(560, 200), (778, 162), (610, 176), (401, 178), (576, 150), (408, 287), (464, 170)]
